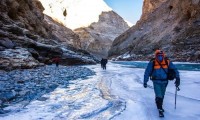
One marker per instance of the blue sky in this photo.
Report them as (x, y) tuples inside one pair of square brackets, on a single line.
[(130, 10)]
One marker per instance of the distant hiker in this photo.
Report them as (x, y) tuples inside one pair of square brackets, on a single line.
[(157, 69), (56, 60), (103, 63)]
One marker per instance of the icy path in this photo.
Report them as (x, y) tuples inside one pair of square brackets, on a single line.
[(126, 84), (140, 105), (116, 93)]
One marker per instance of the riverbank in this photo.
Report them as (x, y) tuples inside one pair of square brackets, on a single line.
[(29, 84)]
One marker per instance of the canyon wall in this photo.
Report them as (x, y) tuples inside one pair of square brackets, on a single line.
[(96, 24), (171, 25), (28, 38)]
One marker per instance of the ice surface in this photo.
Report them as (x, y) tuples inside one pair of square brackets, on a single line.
[(116, 93)]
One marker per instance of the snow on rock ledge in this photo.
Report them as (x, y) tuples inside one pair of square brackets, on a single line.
[(17, 58)]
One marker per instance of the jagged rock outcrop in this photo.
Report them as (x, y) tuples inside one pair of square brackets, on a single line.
[(95, 23), (98, 37), (172, 25), (24, 27)]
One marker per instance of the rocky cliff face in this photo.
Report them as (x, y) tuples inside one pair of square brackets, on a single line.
[(98, 37), (95, 23), (172, 25), (29, 38)]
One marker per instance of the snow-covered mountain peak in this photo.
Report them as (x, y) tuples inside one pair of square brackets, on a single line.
[(79, 13)]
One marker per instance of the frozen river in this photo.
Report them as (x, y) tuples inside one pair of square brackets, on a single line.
[(116, 93)]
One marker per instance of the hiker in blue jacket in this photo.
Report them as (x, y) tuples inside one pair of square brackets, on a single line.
[(157, 70)]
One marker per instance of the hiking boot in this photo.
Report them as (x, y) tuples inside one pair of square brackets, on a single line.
[(160, 113)]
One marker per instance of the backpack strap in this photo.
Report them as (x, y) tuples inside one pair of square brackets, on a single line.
[(152, 60), (166, 62), (162, 67)]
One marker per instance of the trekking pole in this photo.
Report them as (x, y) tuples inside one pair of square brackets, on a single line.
[(177, 89)]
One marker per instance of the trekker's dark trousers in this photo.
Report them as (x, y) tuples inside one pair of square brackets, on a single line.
[(159, 89)]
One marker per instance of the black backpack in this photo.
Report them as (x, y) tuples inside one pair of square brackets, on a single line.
[(171, 74)]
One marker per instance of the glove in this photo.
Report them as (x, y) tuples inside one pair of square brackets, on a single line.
[(145, 85), (177, 82)]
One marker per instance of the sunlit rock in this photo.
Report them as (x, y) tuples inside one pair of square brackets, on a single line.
[(98, 37), (79, 13)]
